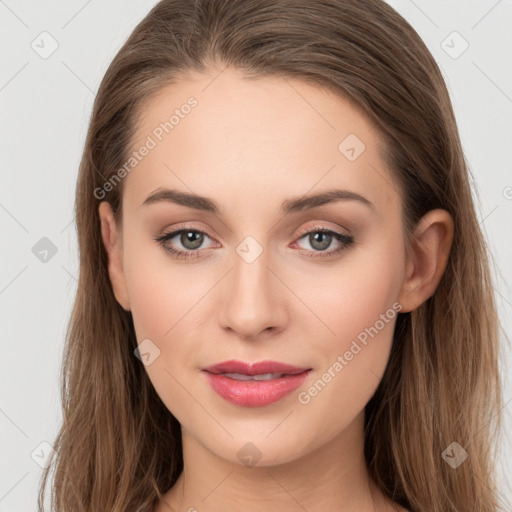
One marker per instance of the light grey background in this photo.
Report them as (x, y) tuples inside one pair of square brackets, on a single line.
[(45, 105)]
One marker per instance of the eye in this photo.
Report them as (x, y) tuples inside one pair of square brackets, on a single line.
[(189, 238), (322, 238)]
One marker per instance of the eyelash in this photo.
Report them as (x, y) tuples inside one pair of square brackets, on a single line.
[(346, 240)]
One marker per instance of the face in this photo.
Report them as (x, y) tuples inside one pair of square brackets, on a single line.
[(316, 285)]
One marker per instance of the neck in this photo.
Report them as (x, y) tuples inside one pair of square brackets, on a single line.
[(331, 477)]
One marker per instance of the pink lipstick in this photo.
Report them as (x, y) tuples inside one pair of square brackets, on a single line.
[(254, 384)]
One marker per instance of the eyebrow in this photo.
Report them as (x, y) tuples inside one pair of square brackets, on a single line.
[(288, 206)]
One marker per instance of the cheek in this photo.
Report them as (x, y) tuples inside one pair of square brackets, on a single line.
[(166, 304), (358, 303), (161, 292), (352, 295)]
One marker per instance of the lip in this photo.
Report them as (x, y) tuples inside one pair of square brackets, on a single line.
[(252, 393), (257, 368)]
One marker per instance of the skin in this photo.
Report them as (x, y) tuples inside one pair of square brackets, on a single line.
[(250, 145)]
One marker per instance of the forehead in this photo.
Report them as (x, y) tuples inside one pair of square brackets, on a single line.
[(235, 138)]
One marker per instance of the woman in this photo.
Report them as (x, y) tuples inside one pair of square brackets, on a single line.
[(284, 299)]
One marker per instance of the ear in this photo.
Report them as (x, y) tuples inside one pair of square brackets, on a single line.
[(426, 263), (111, 239)]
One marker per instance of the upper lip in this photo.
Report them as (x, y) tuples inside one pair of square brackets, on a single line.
[(257, 368)]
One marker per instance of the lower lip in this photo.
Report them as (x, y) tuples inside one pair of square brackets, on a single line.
[(252, 393)]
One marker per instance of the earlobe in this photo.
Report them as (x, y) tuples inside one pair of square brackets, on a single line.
[(430, 250), (111, 241)]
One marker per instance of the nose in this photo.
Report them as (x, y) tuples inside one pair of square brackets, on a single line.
[(253, 300)]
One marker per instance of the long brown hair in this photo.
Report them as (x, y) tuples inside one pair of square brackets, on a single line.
[(119, 448)]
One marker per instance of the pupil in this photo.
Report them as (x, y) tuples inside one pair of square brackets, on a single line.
[(325, 240), (191, 240)]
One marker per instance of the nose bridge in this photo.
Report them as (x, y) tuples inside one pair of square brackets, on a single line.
[(251, 303)]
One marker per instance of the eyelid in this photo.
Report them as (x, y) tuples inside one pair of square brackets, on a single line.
[(303, 231), (175, 230), (322, 226)]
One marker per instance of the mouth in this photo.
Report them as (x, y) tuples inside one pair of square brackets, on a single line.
[(264, 370), (258, 377), (254, 385)]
